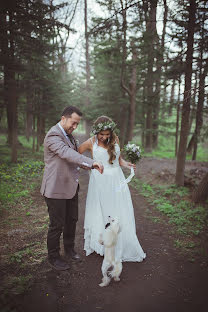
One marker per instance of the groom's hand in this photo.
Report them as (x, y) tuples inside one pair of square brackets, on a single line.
[(98, 166)]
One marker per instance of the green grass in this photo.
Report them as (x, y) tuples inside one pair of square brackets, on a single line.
[(19, 284), (172, 201), (166, 148), (169, 152), (24, 150), (31, 251), (18, 180)]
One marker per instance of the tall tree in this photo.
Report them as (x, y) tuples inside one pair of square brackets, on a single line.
[(159, 76), (131, 90), (10, 83), (181, 156), (151, 37), (203, 70), (87, 68), (199, 110), (27, 32)]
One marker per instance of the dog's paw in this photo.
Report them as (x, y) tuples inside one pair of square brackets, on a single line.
[(105, 281), (116, 279), (103, 284)]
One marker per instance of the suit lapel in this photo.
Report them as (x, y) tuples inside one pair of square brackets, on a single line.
[(66, 140)]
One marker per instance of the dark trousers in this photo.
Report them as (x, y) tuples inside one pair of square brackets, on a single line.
[(63, 216)]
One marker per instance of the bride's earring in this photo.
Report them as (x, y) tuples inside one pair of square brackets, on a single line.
[(108, 141)]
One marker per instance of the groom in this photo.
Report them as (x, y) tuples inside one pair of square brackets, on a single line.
[(60, 185)]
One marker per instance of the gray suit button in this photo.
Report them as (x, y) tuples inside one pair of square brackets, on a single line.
[(78, 168), (77, 180)]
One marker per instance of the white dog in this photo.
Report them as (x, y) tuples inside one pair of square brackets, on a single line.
[(110, 267)]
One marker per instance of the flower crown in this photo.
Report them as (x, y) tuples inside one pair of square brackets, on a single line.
[(107, 125)]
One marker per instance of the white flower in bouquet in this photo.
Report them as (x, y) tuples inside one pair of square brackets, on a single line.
[(133, 152)]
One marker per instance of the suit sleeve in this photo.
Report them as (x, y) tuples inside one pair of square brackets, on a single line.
[(56, 144)]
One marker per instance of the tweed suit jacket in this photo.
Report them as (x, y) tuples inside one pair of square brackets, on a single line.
[(62, 165)]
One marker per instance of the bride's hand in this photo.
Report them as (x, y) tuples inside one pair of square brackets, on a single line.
[(130, 165), (126, 164)]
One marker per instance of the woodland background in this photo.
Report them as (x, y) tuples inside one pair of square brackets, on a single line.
[(145, 65)]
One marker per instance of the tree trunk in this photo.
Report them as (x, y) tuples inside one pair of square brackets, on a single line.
[(132, 95), (177, 117), (33, 147), (171, 103), (190, 144), (200, 193), (41, 130), (192, 116), (143, 115), (151, 37), (156, 104), (29, 111), (181, 157), (87, 59), (11, 90), (160, 60), (164, 96), (199, 111), (38, 133), (11, 93), (123, 120), (163, 102), (200, 104), (124, 107)]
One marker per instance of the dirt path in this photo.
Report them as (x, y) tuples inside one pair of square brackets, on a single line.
[(165, 281), (162, 171)]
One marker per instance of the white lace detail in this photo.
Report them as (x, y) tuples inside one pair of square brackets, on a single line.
[(91, 244)]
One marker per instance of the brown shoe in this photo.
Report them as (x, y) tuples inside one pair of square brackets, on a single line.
[(71, 254), (58, 264)]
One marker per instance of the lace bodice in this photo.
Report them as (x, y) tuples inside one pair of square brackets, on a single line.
[(101, 154)]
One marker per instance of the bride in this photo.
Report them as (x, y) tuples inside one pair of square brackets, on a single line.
[(109, 195)]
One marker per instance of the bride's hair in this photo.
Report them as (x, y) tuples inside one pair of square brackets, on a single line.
[(111, 144)]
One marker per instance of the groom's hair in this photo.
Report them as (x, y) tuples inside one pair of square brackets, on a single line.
[(69, 110)]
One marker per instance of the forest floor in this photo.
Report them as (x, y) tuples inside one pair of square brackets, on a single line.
[(169, 279)]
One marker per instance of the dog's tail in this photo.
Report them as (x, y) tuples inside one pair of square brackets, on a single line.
[(117, 269)]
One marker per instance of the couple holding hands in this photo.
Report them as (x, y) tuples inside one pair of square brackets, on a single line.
[(60, 185)]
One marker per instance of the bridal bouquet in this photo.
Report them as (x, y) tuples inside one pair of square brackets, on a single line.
[(133, 152)]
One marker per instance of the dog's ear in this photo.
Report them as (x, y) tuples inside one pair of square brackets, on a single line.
[(107, 225)]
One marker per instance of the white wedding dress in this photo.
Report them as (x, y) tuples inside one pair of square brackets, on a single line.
[(109, 195)]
